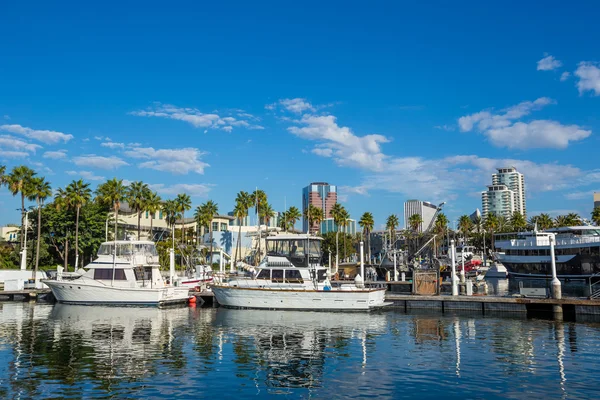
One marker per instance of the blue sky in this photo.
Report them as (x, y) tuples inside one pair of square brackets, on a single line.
[(388, 100)]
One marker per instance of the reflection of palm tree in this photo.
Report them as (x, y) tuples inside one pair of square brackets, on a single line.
[(40, 191)]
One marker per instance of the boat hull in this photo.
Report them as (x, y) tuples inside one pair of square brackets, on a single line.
[(72, 292), (288, 299)]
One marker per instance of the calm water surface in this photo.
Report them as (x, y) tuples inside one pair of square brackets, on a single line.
[(66, 351)]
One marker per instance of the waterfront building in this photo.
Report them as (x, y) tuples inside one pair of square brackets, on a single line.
[(329, 225), (243, 222), (9, 233), (321, 195), (596, 199), (422, 208), (506, 194)]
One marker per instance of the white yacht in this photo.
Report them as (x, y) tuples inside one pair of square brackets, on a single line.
[(291, 277), (125, 272), (527, 254)]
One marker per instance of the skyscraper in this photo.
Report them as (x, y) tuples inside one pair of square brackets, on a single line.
[(596, 199), (424, 209), (506, 194), (321, 195)]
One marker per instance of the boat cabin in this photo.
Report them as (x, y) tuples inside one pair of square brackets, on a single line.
[(298, 250)]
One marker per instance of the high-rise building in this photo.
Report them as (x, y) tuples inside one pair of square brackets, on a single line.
[(596, 199), (424, 209), (328, 225), (505, 195), (321, 195)]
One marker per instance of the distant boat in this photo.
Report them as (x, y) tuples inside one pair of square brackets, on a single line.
[(291, 277), (124, 272), (527, 254)]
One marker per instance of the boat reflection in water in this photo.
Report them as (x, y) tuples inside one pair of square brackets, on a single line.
[(292, 346)]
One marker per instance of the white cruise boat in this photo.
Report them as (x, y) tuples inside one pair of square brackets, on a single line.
[(527, 254), (291, 277), (129, 276)]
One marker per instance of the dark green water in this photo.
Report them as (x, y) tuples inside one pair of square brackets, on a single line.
[(96, 352)]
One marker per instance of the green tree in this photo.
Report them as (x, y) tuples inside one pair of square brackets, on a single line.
[(210, 210), (543, 221), (112, 193), (137, 195), (441, 226), (518, 221), (392, 222), (40, 191), (465, 226), (184, 203), (78, 194), (2, 175), (266, 213), (366, 222), (259, 198), (596, 216), (338, 213), (491, 225), (574, 219), (19, 182), (561, 221), (243, 202), (292, 215), (314, 215), (344, 222), (153, 204), (171, 211)]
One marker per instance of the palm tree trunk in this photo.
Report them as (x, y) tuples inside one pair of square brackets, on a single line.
[(39, 233), (139, 222), (238, 245), (337, 249), (151, 227), (182, 226), (76, 237), (211, 245), (66, 266), (22, 217), (344, 242)]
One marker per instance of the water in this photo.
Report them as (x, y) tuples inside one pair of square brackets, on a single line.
[(66, 351)]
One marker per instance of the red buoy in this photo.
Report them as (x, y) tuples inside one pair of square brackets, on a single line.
[(192, 300)]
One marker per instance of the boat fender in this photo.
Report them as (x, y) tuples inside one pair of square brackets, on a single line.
[(327, 285)]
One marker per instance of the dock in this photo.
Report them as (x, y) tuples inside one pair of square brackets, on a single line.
[(24, 295)]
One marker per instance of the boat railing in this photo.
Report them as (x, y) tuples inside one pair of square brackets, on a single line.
[(539, 242), (594, 281)]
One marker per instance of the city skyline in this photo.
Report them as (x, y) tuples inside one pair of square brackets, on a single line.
[(404, 107)]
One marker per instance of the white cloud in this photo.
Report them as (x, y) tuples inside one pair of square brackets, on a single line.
[(297, 105), (13, 154), (100, 162), (193, 189), (504, 132), (88, 175), (55, 155), (195, 117), (447, 128), (339, 142), (12, 143), (548, 63), (176, 161), (587, 194), (44, 136), (589, 77), (564, 76), (361, 190), (113, 145)]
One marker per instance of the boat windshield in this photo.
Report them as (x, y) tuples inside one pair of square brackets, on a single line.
[(294, 248), (128, 249)]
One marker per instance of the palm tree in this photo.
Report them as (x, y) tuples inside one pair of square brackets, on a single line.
[(78, 194), (292, 215), (171, 211), (61, 202), (243, 202), (344, 221), (152, 205), (491, 224), (561, 221), (543, 221), (266, 213), (367, 223), (19, 182), (136, 197), (441, 225), (518, 221), (40, 191), (259, 198), (337, 213), (391, 223), (465, 225), (184, 203), (574, 219), (210, 209), (112, 193), (314, 215), (596, 216), (2, 176)]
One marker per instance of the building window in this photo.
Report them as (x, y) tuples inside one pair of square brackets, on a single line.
[(147, 214), (215, 226), (223, 227), (160, 215)]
